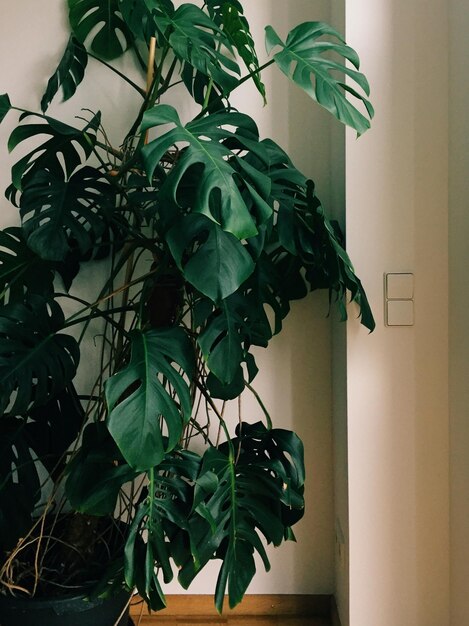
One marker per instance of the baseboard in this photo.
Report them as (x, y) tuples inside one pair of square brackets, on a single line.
[(200, 607)]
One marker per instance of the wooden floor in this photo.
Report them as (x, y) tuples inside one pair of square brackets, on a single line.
[(240, 621), (265, 610)]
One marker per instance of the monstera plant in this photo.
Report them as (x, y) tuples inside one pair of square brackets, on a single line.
[(199, 233)]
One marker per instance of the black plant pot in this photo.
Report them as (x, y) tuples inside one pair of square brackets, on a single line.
[(69, 611)]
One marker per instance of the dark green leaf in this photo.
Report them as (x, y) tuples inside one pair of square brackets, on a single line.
[(306, 56), (68, 75), (99, 24), (52, 428), (163, 512), (197, 40), (229, 16), (140, 16), (96, 473), (62, 215), (19, 483), (222, 343), (5, 105), (138, 398), (234, 501), (21, 270), (212, 260), (61, 152), (36, 361), (218, 194)]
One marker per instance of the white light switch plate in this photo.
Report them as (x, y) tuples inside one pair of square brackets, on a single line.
[(399, 312), (399, 286)]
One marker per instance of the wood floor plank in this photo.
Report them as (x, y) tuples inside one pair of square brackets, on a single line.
[(255, 610)]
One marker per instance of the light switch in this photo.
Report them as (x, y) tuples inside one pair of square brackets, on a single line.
[(399, 286), (400, 312)]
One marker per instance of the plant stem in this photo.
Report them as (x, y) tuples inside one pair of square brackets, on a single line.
[(120, 74)]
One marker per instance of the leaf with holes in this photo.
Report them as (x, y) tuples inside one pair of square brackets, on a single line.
[(306, 55), (21, 270), (229, 16), (196, 39), (212, 260), (63, 151), (238, 205), (99, 24), (69, 73), (36, 361), (150, 389), (161, 517), (61, 215), (238, 500)]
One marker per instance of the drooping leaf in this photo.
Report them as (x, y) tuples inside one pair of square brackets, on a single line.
[(309, 60), (62, 215), (162, 514), (229, 16), (62, 151), (237, 499), (5, 106), (326, 262), (36, 360), (303, 247), (69, 73), (99, 25), (221, 343), (219, 192), (97, 473), (148, 390), (212, 260)]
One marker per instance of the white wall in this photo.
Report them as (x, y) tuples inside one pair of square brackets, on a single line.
[(397, 196), (296, 382), (459, 309)]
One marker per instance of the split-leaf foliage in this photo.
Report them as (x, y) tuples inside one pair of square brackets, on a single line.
[(200, 233)]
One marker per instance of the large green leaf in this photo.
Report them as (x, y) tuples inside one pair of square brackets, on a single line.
[(62, 151), (324, 258), (141, 16), (61, 215), (96, 474), (36, 361), (309, 60), (21, 270), (161, 516), (212, 260), (229, 16), (303, 247), (99, 24), (238, 206), (5, 105), (69, 73), (260, 491), (148, 391), (196, 39), (221, 343)]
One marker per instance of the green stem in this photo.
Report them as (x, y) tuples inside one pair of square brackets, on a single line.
[(120, 74), (261, 404)]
